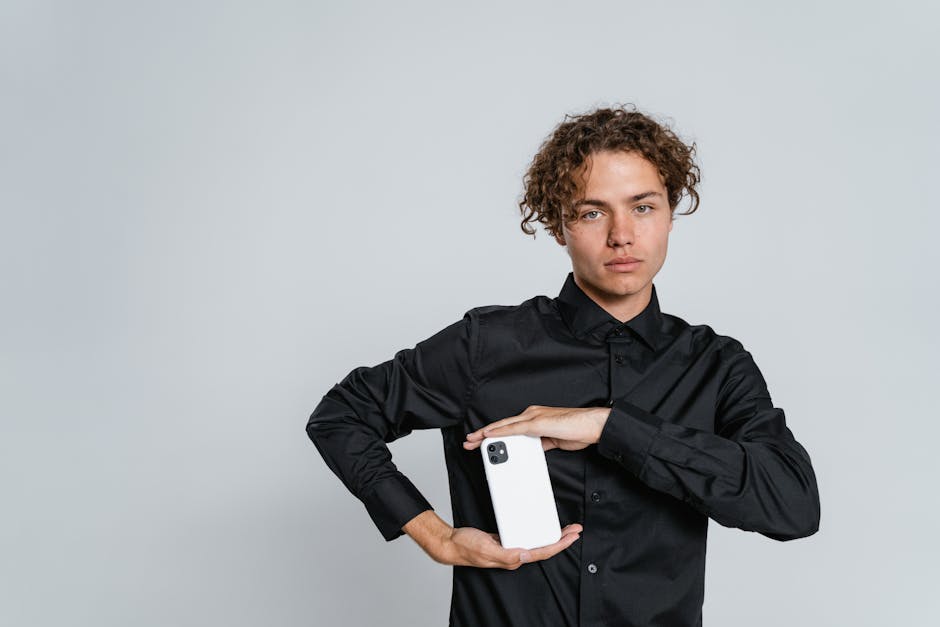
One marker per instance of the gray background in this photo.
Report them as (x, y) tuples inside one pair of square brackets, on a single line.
[(211, 213)]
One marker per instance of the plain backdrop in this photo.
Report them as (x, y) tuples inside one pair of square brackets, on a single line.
[(212, 212)]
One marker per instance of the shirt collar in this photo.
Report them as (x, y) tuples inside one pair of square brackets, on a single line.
[(586, 318)]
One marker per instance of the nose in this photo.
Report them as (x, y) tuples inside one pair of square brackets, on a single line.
[(621, 231)]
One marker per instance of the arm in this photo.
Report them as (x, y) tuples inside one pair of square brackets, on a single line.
[(467, 546), (424, 387), (420, 388), (751, 473)]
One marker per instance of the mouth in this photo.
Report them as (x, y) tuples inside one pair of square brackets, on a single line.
[(623, 264), (617, 260)]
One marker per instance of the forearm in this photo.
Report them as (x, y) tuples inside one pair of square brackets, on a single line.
[(368, 473), (432, 533), (763, 481)]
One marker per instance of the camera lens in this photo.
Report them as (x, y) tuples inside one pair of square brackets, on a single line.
[(494, 459), (491, 448)]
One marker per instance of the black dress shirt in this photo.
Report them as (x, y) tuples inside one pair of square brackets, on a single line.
[(692, 434)]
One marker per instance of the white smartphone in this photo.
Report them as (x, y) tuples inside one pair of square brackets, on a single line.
[(521, 491)]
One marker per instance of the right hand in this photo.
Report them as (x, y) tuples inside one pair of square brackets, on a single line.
[(468, 546)]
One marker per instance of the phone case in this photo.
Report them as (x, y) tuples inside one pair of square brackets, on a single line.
[(521, 491)]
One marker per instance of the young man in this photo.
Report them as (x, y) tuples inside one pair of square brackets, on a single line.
[(651, 425)]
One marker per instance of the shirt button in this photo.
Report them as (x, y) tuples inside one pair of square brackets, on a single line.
[(592, 568), (595, 496), (610, 403), (618, 358), (618, 457)]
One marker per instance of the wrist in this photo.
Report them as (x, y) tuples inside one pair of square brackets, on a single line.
[(432, 533)]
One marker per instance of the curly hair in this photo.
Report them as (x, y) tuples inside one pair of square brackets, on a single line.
[(549, 182)]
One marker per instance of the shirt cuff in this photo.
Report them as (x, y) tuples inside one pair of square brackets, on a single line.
[(392, 502), (628, 435)]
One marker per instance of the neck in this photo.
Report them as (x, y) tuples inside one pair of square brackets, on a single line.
[(623, 307)]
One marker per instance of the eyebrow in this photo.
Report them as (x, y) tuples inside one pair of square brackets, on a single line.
[(600, 203)]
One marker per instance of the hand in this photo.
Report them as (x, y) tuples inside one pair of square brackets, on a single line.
[(468, 546), (567, 428)]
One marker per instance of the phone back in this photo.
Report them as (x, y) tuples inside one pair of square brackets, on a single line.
[(521, 491)]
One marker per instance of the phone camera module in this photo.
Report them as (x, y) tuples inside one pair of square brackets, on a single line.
[(499, 454)]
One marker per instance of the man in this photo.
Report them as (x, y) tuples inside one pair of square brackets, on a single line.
[(650, 425)]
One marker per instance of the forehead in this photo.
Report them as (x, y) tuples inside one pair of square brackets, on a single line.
[(617, 170)]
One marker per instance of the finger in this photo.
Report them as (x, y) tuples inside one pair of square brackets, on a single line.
[(547, 442), (511, 557), (525, 425), (482, 432), (525, 415), (545, 552), (479, 433), (501, 557), (492, 554)]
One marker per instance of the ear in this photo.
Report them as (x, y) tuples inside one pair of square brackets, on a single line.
[(560, 238)]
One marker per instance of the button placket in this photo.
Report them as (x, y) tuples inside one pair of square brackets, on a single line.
[(617, 342)]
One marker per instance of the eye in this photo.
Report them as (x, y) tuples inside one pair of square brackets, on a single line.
[(587, 213), (645, 212)]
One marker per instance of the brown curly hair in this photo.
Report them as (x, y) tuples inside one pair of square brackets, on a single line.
[(549, 182)]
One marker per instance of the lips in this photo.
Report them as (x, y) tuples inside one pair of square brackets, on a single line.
[(617, 260)]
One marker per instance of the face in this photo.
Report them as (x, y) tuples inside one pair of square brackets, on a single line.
[(622, 211)]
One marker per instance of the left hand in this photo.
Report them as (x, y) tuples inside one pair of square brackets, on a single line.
[(567, 428)]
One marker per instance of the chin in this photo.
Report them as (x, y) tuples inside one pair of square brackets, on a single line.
[(624, 285), (602, 280), (619, 286)]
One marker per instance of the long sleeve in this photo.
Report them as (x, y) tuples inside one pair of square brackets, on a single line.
[(751, 473), (424, 387)]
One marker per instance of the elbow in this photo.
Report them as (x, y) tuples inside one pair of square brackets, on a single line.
[(810, 527), (798, 511), (810, 511), (802, 521), (794, 534), (311, 429), (324, 418), (320, 426), (810, 518)]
